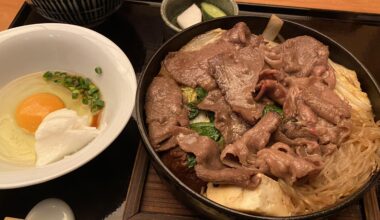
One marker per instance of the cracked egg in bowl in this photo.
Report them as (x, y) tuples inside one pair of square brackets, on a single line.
[(66, 93)]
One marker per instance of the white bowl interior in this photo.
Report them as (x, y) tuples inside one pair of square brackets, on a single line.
[(70, 48)]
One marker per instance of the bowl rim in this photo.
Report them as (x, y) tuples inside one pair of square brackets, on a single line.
[(205, 201), (164, 17), (66, 165)]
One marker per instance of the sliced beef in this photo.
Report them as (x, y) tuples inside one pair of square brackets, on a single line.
[(255, 139), (190, 68), (300, 56), (176, 160), (241, 74), (326, 103), (239, 34), (272, 89), (281, 161), (330, 133), (314, 111), (237, 74), (209, 167), (226, 121), (165, 113)]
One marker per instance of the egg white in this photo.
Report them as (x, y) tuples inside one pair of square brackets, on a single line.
[(17, 146)]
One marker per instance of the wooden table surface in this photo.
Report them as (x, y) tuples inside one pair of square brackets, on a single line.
[(361, 6), (8, 10)]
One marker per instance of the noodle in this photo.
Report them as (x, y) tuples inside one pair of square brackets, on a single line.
[(352, 165)]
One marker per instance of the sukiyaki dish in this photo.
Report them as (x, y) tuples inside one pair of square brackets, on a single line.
[(261, 126)]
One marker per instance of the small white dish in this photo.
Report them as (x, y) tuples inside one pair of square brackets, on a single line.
[(41, 47), (50, 209)]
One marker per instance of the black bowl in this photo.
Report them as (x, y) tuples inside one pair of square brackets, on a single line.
[(84, 12), (257, 24)]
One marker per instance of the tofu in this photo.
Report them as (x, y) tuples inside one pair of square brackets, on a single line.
[(266, 199)]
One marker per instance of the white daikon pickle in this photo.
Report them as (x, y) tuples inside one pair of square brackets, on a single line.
[(189, 17)]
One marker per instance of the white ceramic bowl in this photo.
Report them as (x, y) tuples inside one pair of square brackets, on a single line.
[(71, 48)]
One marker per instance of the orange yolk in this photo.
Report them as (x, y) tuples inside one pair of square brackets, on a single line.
[(32, 110)]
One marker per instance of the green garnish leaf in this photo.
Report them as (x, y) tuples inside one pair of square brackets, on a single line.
[(201, 94), (79, 87), (85, 101), (206, 129), (75, 94), (99, 103), (273, 108), (191, 160), (221, 142), (193, 111), (48, 75), (98, 70)]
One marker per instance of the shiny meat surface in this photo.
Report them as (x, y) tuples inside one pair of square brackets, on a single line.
[(255, 139), (190, 68), (300, 56), (209, 167), (236, 75), (226, 121), (166, 115), (242, 75), (281, 161)]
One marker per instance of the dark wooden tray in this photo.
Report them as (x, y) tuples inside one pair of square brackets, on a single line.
[(149, 198)]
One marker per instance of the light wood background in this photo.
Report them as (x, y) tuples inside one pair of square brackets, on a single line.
[(8, 10), (363, 6)]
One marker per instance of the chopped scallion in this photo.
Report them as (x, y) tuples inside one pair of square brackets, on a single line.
[(79, 87), (98, 70)]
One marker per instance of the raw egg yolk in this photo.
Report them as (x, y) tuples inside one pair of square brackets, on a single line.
[(33, 109)]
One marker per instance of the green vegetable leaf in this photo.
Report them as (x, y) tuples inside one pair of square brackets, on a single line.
[(191, 160), (193, 111), (211, 116), (273, 108), (98, 70), (201, 94), (193, 97), (221, 142), (206, 129)]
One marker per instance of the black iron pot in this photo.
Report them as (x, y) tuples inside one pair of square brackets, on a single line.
[(257, 24)]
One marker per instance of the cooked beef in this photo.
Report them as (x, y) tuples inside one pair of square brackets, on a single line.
[(328, 76), (190, 68), (314, 111), (236, 74), (239, 34), (176, 160), (209, 167), (330, 133), (272, 74), (326, 103), (300, 56), (241, 74), (272, 89), (281, 161), (165, 114), (226, 121), (255, 139)]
